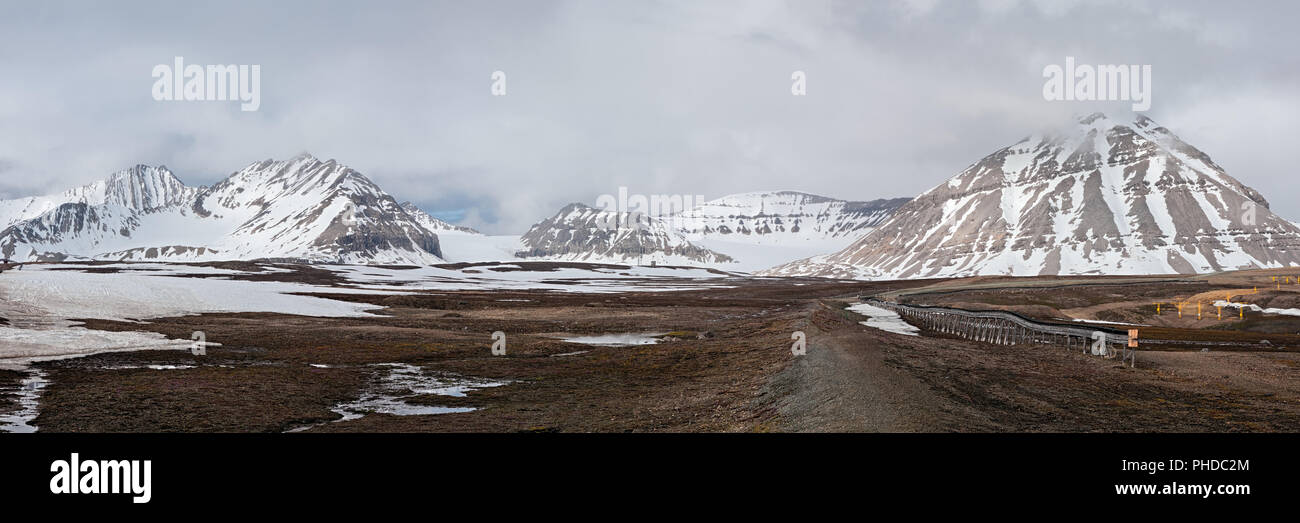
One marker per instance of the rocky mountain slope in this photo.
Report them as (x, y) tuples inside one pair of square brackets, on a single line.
[(1107, 197)]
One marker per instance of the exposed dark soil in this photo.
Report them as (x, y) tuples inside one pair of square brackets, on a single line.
[(1014, 388), (725, 366), (261, 378)]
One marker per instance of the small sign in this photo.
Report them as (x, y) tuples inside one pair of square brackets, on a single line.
[(1133, 338)]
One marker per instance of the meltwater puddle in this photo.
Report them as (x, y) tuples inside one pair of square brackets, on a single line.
[(885, 320), (29, 394), (401, 382)]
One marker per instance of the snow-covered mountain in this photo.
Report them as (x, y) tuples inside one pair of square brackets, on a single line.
[(141, 188), (303, 209), (1108, 197), (740, 232), (784, 216), (582, 233), (78, 221)]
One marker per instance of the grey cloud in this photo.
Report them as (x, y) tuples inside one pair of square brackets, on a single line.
[(661, 97)]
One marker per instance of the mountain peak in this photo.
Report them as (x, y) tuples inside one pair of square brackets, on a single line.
[(303, 172), (1090, 118), (1109, 198), (140, 171), (1102, 121), (140, 187)]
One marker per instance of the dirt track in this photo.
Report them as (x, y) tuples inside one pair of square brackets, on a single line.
[(844, 384)]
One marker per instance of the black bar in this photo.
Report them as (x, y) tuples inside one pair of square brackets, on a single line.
[(247, 471)]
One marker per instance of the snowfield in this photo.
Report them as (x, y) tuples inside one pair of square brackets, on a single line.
[(67, 294), (41, 301), (460, 246), (595, 279)]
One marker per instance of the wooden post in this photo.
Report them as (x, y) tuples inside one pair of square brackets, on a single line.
[(1130, 353)]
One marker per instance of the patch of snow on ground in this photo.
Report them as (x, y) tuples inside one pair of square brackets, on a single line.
[(21, 347), (616, 340), (885, 320), (1106, 322), (484, 277), (1257, 308)]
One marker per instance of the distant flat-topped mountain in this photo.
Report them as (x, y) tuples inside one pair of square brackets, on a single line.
[(582, 233), (746, 231), (1108, 197), (783, 216)]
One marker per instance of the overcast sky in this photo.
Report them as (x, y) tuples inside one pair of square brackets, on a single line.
[(689, 97)]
